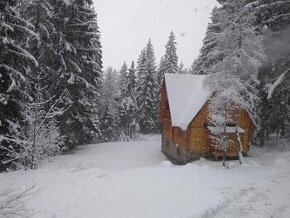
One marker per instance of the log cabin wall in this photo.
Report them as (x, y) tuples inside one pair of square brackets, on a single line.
[(199, 140), (179, 137), (244, 121), (173, 143)]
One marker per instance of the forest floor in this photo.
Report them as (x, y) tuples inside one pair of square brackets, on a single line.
[(134, 179)]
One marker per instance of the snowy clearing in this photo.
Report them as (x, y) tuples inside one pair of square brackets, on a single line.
[(134, 179)]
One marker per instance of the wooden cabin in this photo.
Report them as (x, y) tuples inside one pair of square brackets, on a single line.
[(184, 114)]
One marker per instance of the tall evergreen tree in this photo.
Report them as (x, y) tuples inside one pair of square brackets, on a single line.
[(110, 90), (132, 83), (208, 56), (128, 105), (80, 67), (109, 124), (182, 70), (160, 76), (171, 59), (146, 91), (123, 79), (243, 54), (273, 22), (109, 105), (15, 65)]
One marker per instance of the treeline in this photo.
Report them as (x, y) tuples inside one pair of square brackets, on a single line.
[(246, 53), (130, 97), (50, 76), (53, 94)]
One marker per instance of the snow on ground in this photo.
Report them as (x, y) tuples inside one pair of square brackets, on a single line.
[(134, 179)]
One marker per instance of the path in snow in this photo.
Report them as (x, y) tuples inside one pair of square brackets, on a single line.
[(134, 179)]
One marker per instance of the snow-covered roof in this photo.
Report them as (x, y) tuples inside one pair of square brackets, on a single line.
[(186, 96)]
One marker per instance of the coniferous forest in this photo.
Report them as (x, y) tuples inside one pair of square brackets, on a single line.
[(55, 94)]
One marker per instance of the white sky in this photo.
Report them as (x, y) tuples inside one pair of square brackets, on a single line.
[(126, 26)]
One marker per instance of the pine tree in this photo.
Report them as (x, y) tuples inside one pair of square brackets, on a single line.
[(182, 70), (15, 65), (208, 56), (109, 124), (132, 83), (131, 93), (42, 130), (128, 106), (80, 66), (109, 105), (160, 76), (272, 14), (171, 59), (147, 90), (127, 118), (109, 91), (273, 22), (123, 74)]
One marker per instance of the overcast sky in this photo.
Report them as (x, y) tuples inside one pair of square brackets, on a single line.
[(126, 26)]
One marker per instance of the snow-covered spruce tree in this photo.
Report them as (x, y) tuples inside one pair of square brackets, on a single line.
[(234, 78), (40, 130), (170, 58), (123, 80), (132, 93), (15, 65), (80, 67), (122, 114), (110, 90), (147, 90), (109, 124), (41, 136), (128, 107), (131, 81), (159, 84), (140, 69), (273, 21), (208, 55), (196, 66), (182, 70), (160, 76), (272, 15), (127, 118), (109, 105)]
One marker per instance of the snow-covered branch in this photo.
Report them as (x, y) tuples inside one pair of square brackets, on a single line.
[(278, 81)]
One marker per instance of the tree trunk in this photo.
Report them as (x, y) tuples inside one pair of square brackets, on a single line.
[(241, 158), (224, 140)]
